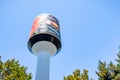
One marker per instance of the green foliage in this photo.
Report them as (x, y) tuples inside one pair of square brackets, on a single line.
[(78, 76), (11, 70), (110, 71), (105, 71)]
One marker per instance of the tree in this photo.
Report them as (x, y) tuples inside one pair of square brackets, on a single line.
[(110, 71), (77, 75), (105, 71), (11, 70)]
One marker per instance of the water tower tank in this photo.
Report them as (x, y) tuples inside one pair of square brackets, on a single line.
[(45, 35)]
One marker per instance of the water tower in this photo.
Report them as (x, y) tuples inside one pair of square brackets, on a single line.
[(44, 42)]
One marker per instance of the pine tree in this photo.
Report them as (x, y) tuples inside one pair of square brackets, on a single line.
[(110, 71), (11, 70)]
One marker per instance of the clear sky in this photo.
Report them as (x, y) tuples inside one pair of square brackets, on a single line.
[(90, 31)]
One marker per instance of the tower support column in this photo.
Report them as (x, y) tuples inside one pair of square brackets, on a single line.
[(43, 62)]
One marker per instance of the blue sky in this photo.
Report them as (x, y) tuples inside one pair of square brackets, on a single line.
[(90, 31)]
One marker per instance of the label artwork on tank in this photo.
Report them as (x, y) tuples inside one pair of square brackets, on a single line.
[(45, 24)]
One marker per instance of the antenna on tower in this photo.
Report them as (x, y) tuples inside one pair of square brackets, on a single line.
[(44, 42)]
